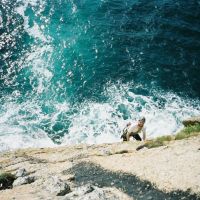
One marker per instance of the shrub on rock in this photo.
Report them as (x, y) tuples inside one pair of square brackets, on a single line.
[(6, 180)]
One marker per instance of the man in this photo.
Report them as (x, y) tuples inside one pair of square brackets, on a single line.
[(134, 130)]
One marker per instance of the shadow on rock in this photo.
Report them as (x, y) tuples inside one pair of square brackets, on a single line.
[(141, 190)]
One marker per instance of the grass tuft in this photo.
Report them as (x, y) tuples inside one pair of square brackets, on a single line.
[(188, 132), (160, 141), (6, 180)]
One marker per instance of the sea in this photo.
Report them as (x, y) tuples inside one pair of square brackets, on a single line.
[(76, 71)]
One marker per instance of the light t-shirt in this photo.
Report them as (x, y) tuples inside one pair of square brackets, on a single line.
[(136, 129)]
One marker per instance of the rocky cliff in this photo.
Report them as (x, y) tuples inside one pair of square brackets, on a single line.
[(107, 171)]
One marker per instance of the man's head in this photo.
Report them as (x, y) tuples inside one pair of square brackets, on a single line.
[(141, 121)]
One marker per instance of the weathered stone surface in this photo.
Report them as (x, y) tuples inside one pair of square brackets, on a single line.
[(21, 173), (24, 180), (142, 164), (79, 192), (105, 152), (191, 121), (70, 177), (57, 186), (89, 192)]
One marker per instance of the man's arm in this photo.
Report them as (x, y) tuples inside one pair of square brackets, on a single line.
[(128, 135), (144, 133)]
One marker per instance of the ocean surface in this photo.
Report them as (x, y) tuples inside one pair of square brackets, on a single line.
[(76, 71)]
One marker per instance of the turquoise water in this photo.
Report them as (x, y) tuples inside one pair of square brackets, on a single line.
[(77, 71)]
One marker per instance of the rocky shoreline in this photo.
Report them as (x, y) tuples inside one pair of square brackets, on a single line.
[(106, 171)]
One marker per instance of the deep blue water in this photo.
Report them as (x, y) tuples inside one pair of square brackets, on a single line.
[(76, 71)]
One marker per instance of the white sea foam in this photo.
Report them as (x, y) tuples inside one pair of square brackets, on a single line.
[(95, 122), (103, 122), (17, 131), (35, 30), (19, 140)]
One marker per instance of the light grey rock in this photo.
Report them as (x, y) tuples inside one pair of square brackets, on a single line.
[(21, 173), (57, 186), (105, 152), (191, 121), (71, 178), (149, 197), (24, 180), (79, 192), (90, 192)]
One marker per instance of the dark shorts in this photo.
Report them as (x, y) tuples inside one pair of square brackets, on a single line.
[(135, 136)]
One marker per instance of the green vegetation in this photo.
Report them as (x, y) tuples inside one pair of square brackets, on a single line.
[(160, 141), (187, 132), (6, 180)]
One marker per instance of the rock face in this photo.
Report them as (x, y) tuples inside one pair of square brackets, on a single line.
[(23, 180), (89, 192), (21, 173), (103, 172), (191, 121), (57, 186)]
